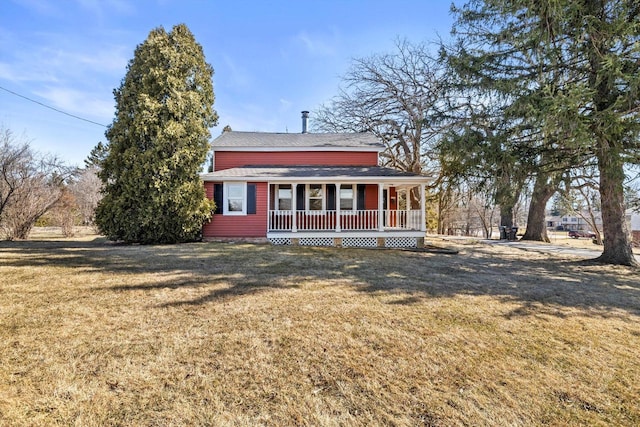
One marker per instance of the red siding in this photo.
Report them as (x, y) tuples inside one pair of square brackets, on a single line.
[(239, 225), (232, 159), (208, 188), (371, 196), (393, 202)]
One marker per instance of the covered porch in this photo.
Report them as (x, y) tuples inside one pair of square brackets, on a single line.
[(341, 207), (346, 213)]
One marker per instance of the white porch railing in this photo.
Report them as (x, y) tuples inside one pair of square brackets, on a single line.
[(315, 220), (280, 221), (359, 220), (402, 220)]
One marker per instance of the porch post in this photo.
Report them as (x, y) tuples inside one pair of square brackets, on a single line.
[(338, 227), (407, 218), (407, 203), (380, 207), (423, 214), (294, 207), (269, 212)]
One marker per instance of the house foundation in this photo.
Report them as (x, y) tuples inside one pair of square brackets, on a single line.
[(350, 242)]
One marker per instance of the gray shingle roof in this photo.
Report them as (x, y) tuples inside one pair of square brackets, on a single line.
[(235, 139), (305, 172)]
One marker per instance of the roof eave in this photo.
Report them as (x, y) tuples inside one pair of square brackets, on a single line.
[(310, 148), (320, 179)]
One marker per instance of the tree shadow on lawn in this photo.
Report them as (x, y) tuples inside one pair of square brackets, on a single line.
[(533, 280), (221, 267), (235, 270)]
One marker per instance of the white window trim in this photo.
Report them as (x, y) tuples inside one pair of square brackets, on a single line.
[(277, 197), (354, 197), (308, 198), (225, 200)]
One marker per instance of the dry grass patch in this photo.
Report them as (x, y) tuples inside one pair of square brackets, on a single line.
[(247, 334)]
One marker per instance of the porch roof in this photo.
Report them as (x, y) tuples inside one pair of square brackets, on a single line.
[(360, 174)]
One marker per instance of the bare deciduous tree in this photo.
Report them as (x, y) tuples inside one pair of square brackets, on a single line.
[(86, 191), (30, 184), (65, 212), (13, 152), (397, 97)]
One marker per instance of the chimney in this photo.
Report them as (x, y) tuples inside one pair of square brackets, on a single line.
[(305, 121)]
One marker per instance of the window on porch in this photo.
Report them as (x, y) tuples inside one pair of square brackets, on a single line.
[(284, 197), (315, 199), (347, 196)]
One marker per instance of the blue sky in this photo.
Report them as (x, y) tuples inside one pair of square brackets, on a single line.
[(272, 59)]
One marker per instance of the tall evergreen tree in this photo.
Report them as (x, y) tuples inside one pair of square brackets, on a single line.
[(96, 156), (588, 53), (157, 143), (480, 148)]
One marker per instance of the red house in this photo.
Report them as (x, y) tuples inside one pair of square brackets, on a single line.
[(312, 189)]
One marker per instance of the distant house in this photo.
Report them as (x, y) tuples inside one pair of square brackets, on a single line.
[(569, 222), (312, 189), (572, 222), (554, 222)]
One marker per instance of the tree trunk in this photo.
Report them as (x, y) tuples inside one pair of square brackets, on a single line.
[(507, 194), (506, 215), (444, 203), (440, 214), (617, 243), (536, 227), (486, 225), (542, 192)]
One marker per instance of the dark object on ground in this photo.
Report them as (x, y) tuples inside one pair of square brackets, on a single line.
[(507, 233), (433, 249)]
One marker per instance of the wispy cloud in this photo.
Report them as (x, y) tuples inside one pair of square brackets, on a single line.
[(285, 105), (105, 59), (46, 57), (100, 7), (14, 74), (78, 102), (66, 73), (233, 74), (42, 7), (317, 44)]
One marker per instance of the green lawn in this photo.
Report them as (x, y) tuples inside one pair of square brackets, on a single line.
[(248, 334)]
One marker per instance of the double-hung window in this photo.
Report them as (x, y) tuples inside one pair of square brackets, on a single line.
[(235, 202), (316, 197), (347, 196), (284, 197)]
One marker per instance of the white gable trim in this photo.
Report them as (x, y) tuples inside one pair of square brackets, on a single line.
[(295, 149)]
